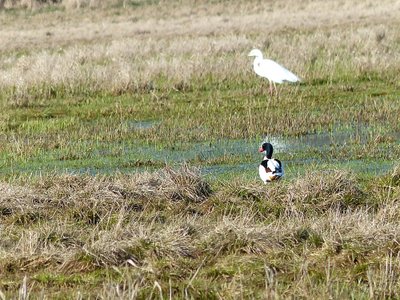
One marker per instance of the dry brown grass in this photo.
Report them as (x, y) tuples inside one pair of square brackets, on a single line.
[(99, 51), (332, 189), (134, 227)]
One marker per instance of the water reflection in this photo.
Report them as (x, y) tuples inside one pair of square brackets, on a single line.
[(218, 157)]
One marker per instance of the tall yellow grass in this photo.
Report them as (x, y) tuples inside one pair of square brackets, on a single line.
[(109, 51)]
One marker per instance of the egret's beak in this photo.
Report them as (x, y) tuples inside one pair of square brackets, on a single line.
[(250, 54), (261, 149)]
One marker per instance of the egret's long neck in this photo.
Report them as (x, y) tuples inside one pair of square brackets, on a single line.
[(257, 59)]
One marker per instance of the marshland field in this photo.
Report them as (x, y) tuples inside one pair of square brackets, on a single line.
[(128, 150)]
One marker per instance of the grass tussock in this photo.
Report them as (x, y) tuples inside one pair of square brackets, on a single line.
[(183, 183), (395, 176), (335, 188), (35, 5), (132, 227)]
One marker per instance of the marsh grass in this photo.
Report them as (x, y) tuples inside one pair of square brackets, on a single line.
[(168, 50), (188, 69), (77, 77), (118, 236)]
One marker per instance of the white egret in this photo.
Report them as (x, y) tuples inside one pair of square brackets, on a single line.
[(271, 70)]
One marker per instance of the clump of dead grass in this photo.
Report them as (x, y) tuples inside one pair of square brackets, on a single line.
[(395, 176), (15, 198), (184, 184), (330, 189), (91, 199), (68, 4)]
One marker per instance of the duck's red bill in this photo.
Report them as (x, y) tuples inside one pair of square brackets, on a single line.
[(261, 149)]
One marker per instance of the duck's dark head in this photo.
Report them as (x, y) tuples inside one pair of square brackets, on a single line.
[(267, 148)]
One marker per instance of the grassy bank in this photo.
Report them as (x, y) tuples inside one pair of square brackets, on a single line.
[(171, 233)]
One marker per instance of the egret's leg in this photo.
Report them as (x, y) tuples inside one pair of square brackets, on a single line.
[(276, 90), (271, 92)]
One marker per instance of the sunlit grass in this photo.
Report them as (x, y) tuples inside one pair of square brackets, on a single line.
[(96, 234), (105, 131), (128, 150)]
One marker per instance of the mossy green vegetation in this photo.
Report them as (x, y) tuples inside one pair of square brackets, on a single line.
[(107, 133)]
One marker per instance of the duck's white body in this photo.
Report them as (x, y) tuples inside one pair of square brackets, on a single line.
[(270, 170)]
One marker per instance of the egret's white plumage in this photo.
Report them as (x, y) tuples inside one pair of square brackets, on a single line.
[(271, 70)]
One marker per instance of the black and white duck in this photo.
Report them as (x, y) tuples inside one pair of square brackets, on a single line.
[(270, 168)]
